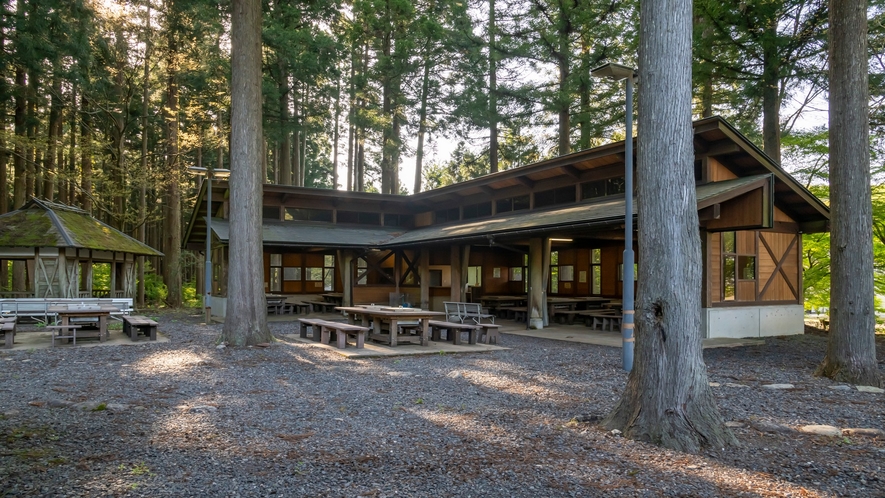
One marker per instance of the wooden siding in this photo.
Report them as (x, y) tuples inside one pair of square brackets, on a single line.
[(715, 270), (718, 172), (779, 268)]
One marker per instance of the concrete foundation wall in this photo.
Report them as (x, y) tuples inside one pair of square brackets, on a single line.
[(753, 321)]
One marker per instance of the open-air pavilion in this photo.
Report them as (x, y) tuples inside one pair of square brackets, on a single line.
[(546, 230), (55, 249)]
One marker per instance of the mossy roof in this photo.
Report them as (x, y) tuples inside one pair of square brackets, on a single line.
[(47, 224)]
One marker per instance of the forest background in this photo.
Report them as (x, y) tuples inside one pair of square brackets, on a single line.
[(106, 103)]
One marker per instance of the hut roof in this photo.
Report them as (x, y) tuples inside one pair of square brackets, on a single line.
[(40, 223)]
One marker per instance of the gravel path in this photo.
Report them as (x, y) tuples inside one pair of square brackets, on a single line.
[(187, 419)]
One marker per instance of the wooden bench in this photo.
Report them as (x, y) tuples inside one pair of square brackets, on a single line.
[(488, 333), (518, 313), (342, 330), (133, 324), (63, 332), (454, 330), (568, 316), (312, 324), (322, 306), (295, 307), (607, 321), (463, 312), (7, 326)]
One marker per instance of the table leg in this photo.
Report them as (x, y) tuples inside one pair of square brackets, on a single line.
[(393, 331), (424, 332), (102, 328)]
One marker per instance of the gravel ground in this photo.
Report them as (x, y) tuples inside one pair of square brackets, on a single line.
[(187, 419)]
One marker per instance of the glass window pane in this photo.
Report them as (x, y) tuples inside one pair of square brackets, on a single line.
[(595, 256), (728, 242), (747, 267), (328, 261), (567, 273), (314, 274), (329, 279), (521, 202), (590, 190), (728, 281), (554, 279), (276, 260), (292, 273), (516, 274), (614, 186), (276, 284), (597, 280)]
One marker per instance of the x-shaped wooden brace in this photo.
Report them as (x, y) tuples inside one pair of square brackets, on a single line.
[(779, 267)]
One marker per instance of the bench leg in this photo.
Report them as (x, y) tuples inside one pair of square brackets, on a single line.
[(9, 336), (153, 332), (457, 335), (360, 339), (324, 335), (342, 340), (473, 333)]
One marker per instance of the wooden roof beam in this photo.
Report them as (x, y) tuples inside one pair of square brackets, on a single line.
[(525, 181), (719, 148), (572, 171)]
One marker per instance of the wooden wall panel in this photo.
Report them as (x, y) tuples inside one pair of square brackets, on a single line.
[(611, 258), (743, 211), (774, 285), (718, 172), (715, 270), (782, 216)]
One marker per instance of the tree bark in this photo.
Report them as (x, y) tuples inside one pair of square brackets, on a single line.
[(246, 321), (668, 400), (86, 156), (285, 156), (172, 228), (493, 92), (771, 100), (851, 351)]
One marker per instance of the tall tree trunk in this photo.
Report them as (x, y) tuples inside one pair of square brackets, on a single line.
[(336, 133), (422, 125), (493, 92), (668, 400), (564, 61), (771, 100), (851, 351), (388, 141), (50, 179), (172, 216), (142, 191), (86, 155), (20, 185), (31, 150), (246, 321), (285, 163), (297, 164)]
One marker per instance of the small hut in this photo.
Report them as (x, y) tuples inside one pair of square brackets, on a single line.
[(55, 249)]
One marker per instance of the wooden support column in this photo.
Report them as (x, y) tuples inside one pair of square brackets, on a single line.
[(545, 265), (424, 277), (397, 269), (345, 266), (455, 265), (537, 301), (113, 286), (465, 262), (62, 270)]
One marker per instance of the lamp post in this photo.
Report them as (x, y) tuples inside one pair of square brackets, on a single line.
[(207, 288), (619, 72)]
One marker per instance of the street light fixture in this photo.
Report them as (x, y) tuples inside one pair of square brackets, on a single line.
[(209, 173), (620, 72)]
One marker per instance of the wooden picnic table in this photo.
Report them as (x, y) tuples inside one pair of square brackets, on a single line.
[(573, 303), (494, 302), (66, 313), (378, 314)]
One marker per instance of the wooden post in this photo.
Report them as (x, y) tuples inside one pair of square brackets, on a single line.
[(345, 265), (536, 284), (424, 277), (455, 266)]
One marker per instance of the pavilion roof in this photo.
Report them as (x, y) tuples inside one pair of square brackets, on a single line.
[(41, 223)]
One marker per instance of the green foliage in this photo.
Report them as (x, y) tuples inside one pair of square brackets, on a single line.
[(154, 288)]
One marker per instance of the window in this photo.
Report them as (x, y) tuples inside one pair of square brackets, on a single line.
[(328, 272), (270, 213), (621, 272), (299, 214), (361, 218), (478, 210), (399, 220), (292, 273), (596, 271), (276, 273), (602, 188), (474, 276), (562, 195), (512, 204), (446, 215), (313, 274), (362, 271), (436, 278), (738, 264), (516, 274), (554, 272)]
